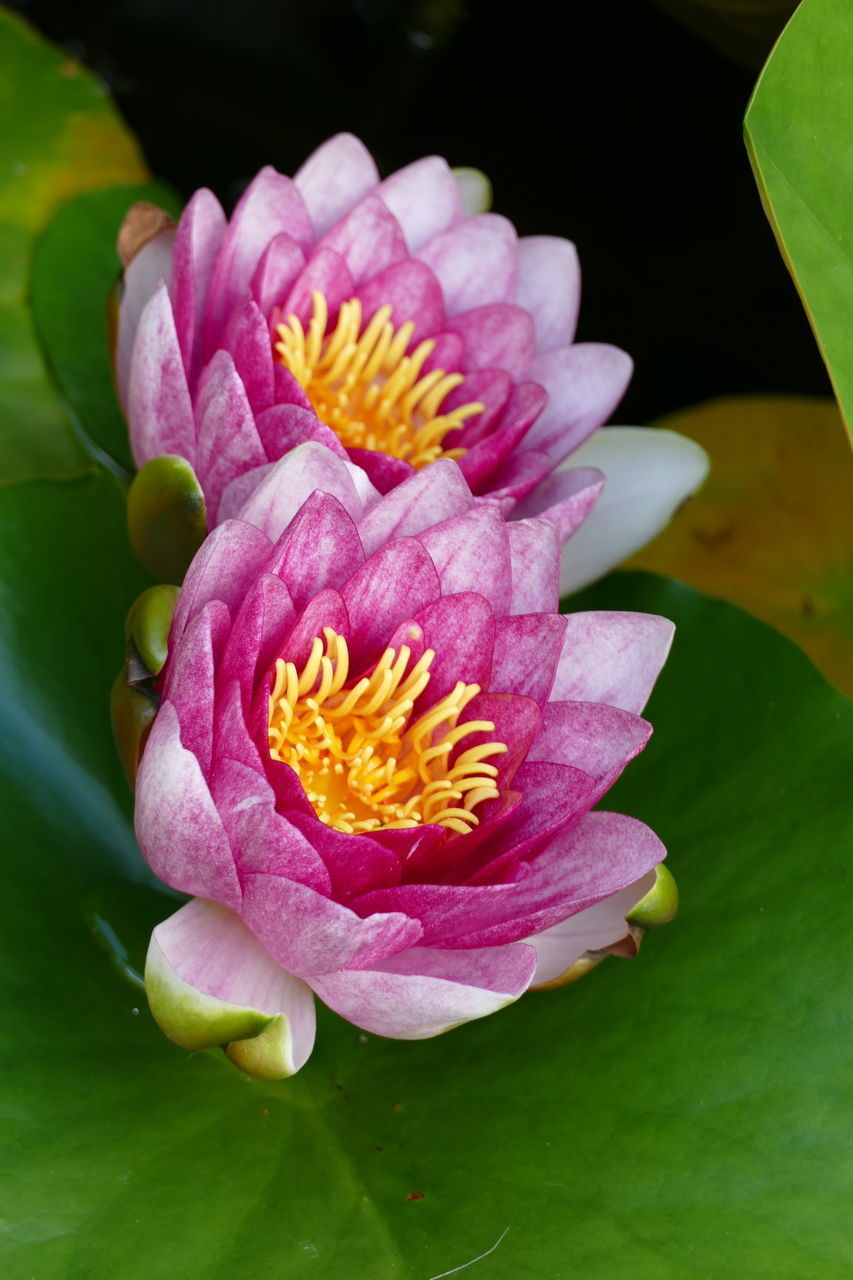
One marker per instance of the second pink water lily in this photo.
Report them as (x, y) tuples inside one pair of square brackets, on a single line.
[(392, 324)]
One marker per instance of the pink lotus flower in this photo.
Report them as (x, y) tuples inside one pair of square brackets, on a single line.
[(381, 320), (374, 765)]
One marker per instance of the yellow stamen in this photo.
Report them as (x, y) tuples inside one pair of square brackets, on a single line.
[(367, 389), (362, 764)]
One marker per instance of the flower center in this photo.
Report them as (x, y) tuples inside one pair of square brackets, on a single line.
[(360, 761), (367, 389)]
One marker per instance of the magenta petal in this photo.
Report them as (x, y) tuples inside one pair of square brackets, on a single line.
[(471, 552), (266, 614), (280, 264), (549, 287), (327, 609), (422, 993), (613, 658), (319, 548), (384, 472), (178, 828), (368, 239), (232, 737), (565, 498), (413, 293), (247, 338), (139, 283), (475, 262), (190, 679), (486, 457), (321, 936), (334, 178), (391, 586), (495, 336), (490, 387), (226, 565), (325, 272), (197, 242), (269, 205), (516, 720), (354, 863), (598, 927), (285, 426), (424, 198), (159, 409), (514, 478), (430, 496), (585, 383), (596, 738), (526, 651), (228, 441), (535, 551), (461, 630), (295, 477)]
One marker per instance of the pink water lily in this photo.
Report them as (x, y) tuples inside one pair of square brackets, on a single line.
[(374, 767), (383, 320)]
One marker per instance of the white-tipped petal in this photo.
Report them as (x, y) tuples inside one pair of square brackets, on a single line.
[(210, 982), (648, 474)]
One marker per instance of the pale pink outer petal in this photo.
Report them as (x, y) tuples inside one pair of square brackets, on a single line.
[(600, 926), (307, 933), (209, 948), (584, 382), (159, 409), (566, 497), (228, 440), (430, 496), (424, 198), (423, 992), (535, 551), (613, 658), (142, 275), (334, 178), (224, 568), (549, 287), (650, 472), (368, 239), (294, 478), (197, 243), (475, 262), (178, 828)]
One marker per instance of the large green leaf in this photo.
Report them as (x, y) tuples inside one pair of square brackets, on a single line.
[(685, 1114), (798, 138), (74, 269), (62, 136)]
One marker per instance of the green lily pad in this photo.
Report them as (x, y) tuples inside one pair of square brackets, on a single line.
[(798, 137), (63, 136), (686, 1113), (75, 268)]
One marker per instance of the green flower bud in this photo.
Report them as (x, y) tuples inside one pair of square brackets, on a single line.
[(660, 903), (166, 517)]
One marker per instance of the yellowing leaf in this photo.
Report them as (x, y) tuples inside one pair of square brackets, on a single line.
[(772, 530)]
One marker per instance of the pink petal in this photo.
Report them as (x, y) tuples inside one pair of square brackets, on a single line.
[(139, 283), (424, 198), (284, 426), (549, 287), (319, 548), (308, 934), (413, 293), (325, 272), (159, 410), (591, 736), (190, 679), (178, 828), (461, 630), (224, 569), (471, 552), (526, 651), (535, 552), (197, 243), (598, 927), (368, 239), (269, 205), (613, 658), (475, 262), (228, 441), (423, 993), (565, 498), (266, 614), (391, 586), (280, 264), (584, 382), (207, 970), (430, 496), (334, 178), (247, 339), (495, 336), (295, 477)]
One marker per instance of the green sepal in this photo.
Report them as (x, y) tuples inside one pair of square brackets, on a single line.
[(148, 624), (166, 516), (266, 1056), (660, 903), (192, 1019), (132, 711)]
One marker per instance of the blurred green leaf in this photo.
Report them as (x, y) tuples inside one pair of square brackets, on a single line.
[(62, 136), (798, 137), (75, 267), (683, 1114)]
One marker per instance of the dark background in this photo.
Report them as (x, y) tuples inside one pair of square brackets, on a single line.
[(618, 129)]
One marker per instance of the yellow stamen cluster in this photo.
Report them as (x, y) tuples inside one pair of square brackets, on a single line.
[(365, 387), (362, 764)]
